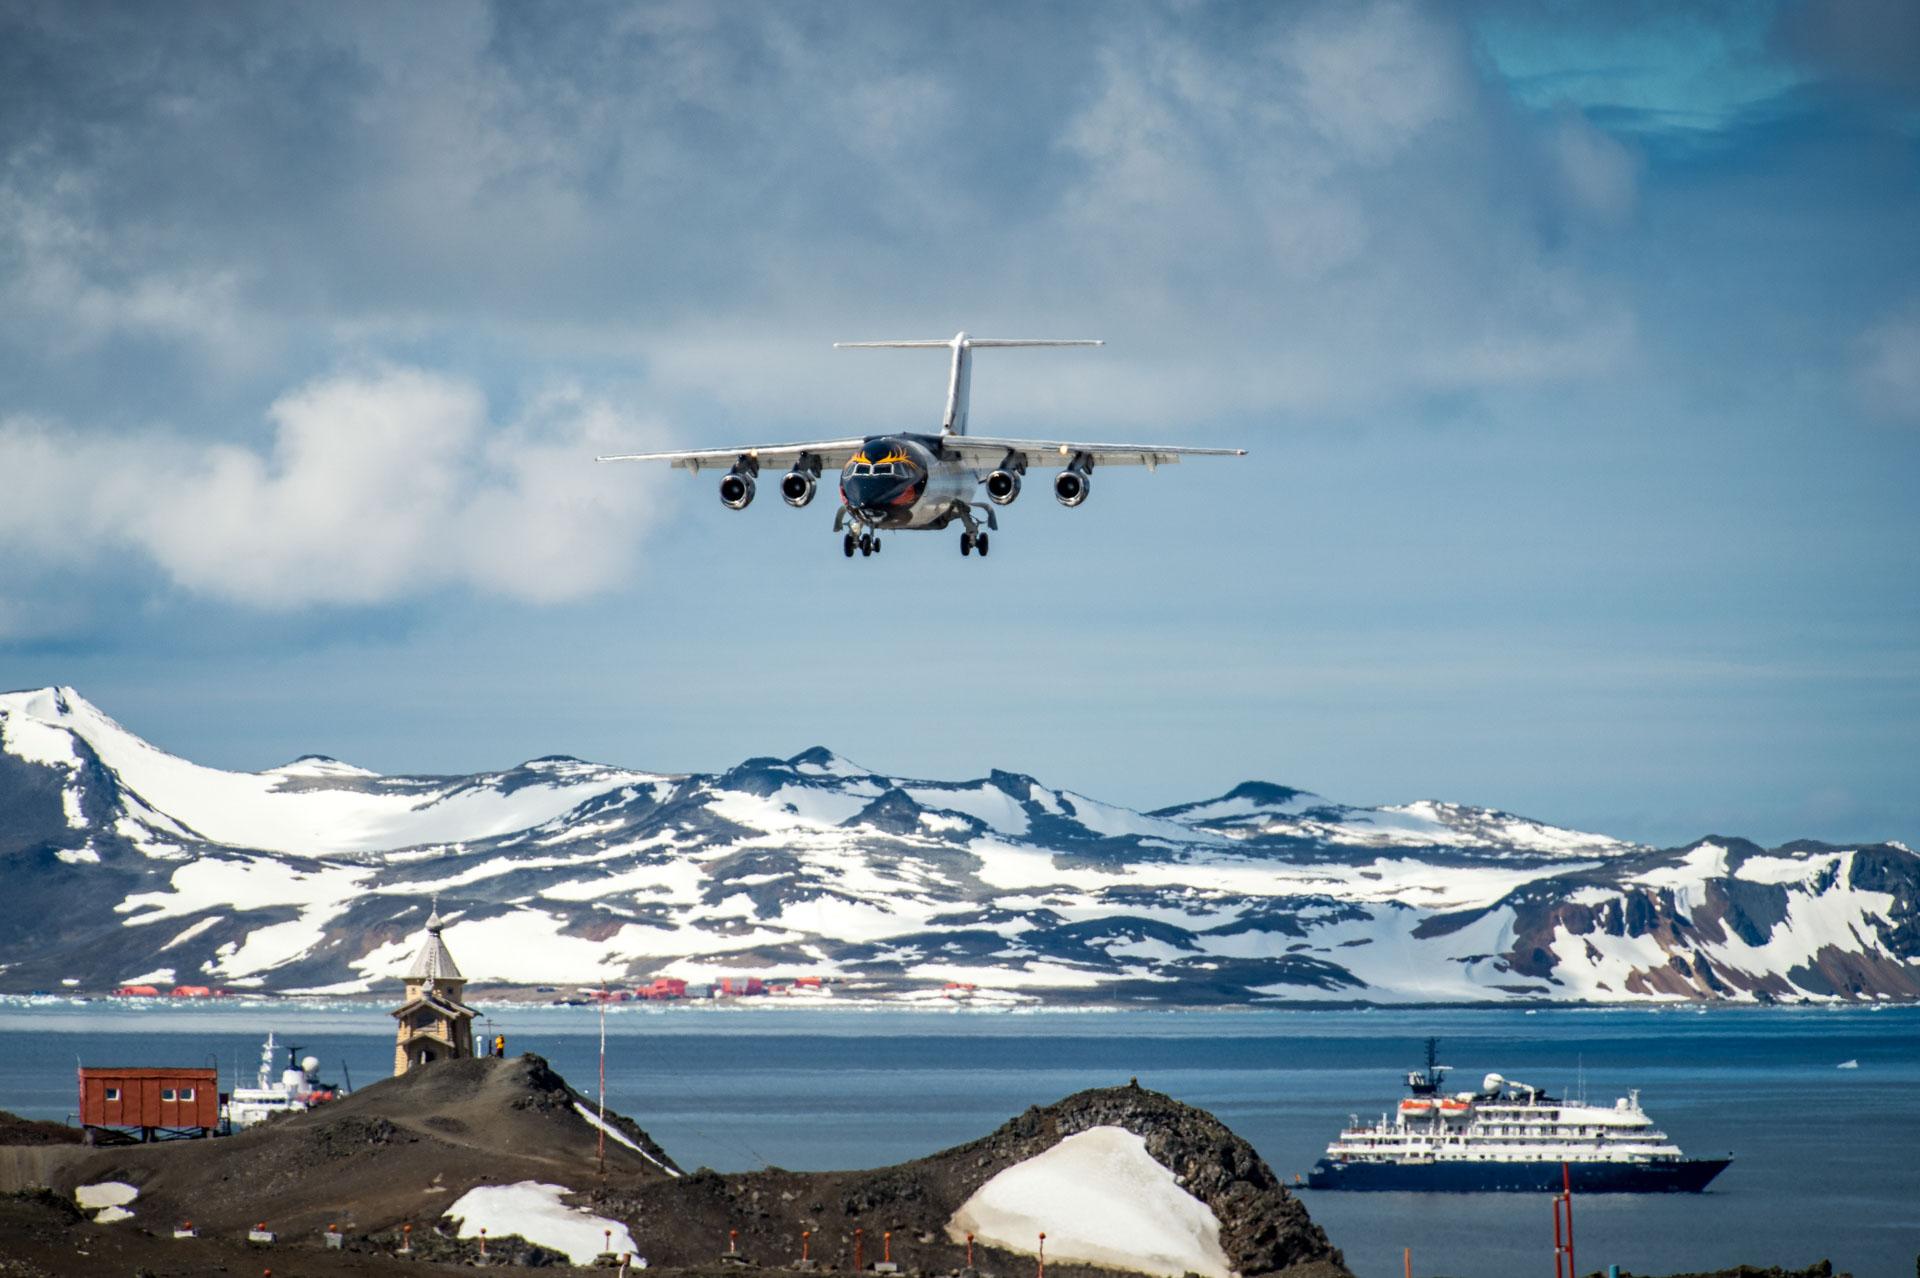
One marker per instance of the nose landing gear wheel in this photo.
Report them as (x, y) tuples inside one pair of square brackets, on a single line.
[(966, 543), (980, 544), (847, 545)]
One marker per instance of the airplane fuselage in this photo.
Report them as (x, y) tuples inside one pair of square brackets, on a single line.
[(906, 481)]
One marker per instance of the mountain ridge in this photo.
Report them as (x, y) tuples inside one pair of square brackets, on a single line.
[(127, 863)]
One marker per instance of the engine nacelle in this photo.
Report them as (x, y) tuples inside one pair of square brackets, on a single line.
[(1003, 486), (797, 488), (736, 490), (1070, 487)]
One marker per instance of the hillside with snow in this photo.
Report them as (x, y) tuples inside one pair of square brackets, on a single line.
[(123, 863)]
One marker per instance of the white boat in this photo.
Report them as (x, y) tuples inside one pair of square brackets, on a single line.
[(278, 1091), (1508, 1136)]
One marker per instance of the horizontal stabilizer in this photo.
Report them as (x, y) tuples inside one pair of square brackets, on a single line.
[(960, 380)]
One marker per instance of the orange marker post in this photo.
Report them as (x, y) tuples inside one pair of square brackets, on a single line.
[(1042, 1271), (859, 1250), (886, 1243), (969, 1251)]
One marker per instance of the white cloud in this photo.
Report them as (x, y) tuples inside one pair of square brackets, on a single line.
[(373, 486), (1888, 372)]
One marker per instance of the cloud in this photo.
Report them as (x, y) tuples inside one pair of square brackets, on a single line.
[(1281, 208), (1887, 373), (373, 486)]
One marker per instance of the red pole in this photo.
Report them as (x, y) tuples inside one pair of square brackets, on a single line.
[(1042, 1271), (1566, 1186), (859, 1250), (806, 1242), (1559, 1246), (733, 1242), (1406, 1261), (969, 1251)]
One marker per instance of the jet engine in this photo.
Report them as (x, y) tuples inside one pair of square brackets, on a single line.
[(797, 488), (736, 490), (1003, 486), (1071, 486)]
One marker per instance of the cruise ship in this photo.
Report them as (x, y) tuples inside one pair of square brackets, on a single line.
[(1508, 1136)]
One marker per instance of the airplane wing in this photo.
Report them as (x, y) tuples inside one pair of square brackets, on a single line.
[(986, 453), (832, 454)]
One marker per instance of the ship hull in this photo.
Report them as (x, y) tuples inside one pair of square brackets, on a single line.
[(1685, 1176)]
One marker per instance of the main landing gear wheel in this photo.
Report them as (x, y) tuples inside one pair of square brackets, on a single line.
[(980, 544), (866, 544), (847, 545), (966, 543)]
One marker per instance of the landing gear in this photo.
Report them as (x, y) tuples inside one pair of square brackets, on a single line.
[(980, 544), (866, 543), (966, 544), (848, 545)]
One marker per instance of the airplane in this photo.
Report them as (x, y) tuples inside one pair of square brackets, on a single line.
[(910, 481)]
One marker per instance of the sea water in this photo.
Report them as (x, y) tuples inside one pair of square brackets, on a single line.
[(1826, 1160)]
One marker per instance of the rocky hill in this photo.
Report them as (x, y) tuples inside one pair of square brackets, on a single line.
[(125, 864), (459, 1145)]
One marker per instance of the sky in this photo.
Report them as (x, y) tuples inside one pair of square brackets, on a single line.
[(1576, 350)]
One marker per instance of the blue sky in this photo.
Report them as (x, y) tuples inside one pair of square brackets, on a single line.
[(1577, 350)]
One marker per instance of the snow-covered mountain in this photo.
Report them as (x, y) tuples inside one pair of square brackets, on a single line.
[(123, 863)]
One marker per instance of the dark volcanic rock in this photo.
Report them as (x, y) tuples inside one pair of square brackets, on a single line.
[(1263, 1228), (15, 1130)]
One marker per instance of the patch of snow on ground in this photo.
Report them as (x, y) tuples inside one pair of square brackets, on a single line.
[(191, 932), (244, 883), (1784, 869), (1708, 861), (1101, 1199), (79, 856), (107, 1215), (257, 810), (158, 976), (106, 1193), (985, 803), (616, 1134), (1113, 822), (278, 944), (534, 1211)]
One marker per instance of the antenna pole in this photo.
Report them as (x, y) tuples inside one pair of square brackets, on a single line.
[(603, 1085)]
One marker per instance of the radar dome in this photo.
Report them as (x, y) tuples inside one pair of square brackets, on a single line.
[(311, 1064), (1491, 1083)]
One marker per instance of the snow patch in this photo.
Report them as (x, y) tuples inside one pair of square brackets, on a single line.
[(106, 1193), (622, 1137), (1101, 1199), (534, 1211)]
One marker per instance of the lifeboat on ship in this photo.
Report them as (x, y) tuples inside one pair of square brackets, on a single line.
[(1455, 1109), (1416, 1107)]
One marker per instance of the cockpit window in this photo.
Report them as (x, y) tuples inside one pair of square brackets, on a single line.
[(860, 468)]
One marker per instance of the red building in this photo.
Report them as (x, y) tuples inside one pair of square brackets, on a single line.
[(120, 1106), (740, 986), (664, 987)]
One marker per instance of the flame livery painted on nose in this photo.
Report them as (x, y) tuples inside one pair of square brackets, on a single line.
[(881, 478)]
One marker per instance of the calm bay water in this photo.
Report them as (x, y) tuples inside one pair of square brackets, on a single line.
[(1827, 1161)]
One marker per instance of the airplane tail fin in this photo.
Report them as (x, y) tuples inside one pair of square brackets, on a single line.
[(960, 382)]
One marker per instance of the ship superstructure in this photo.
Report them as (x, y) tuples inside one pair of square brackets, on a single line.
[(1508, 1136), (278, 1091)]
